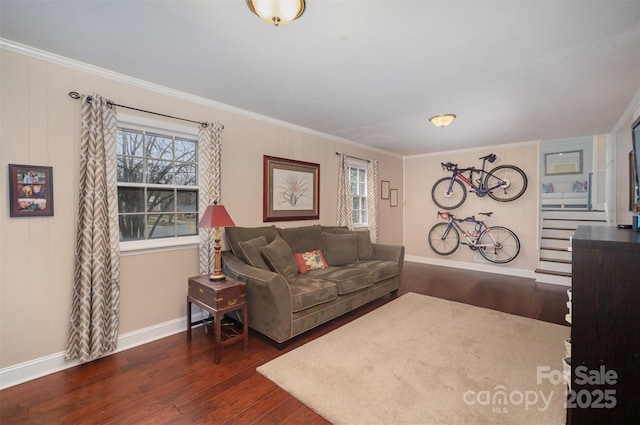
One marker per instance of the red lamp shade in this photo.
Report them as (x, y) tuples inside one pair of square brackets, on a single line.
[(216, 216)]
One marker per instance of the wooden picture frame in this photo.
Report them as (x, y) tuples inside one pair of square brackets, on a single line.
[(560, 163), (384, 189), (291, 190), (393, 197), (30, 190)]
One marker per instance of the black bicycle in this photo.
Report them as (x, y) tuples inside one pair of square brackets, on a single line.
[(495, 243), (503, 183)]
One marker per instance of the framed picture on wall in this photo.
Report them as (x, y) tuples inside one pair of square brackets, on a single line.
[(30, 190), (384, 189), (393, 197), (563, 163), (291, 190)]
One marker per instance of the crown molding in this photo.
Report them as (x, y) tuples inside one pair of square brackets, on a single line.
[(122, 78)]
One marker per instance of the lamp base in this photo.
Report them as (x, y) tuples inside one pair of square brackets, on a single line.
[(217, 277)]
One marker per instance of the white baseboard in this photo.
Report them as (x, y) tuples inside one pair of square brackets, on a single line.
[(480, 267), (32, 369), (490, 268)]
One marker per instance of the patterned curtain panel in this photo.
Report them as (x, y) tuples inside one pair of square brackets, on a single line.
[(96, 291), (372, 199), (209, 163), (345, 202)]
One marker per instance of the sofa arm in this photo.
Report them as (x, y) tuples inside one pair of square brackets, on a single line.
[(268, 297), (388, 252)]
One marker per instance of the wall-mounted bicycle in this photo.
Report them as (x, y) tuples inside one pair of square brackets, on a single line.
[(495, 243), (503, 183)]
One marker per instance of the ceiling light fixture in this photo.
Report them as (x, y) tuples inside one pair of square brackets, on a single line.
[(277, 12), (442, 120)]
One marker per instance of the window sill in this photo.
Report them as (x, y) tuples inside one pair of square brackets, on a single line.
[(158, 245)]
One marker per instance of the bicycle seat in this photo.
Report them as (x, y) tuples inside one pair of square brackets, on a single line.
[(491, 157), (487, 214)]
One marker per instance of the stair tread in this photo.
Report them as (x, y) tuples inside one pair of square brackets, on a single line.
[(571, 210), (553, 272), (551, 248), (555, 238), (555, 260)]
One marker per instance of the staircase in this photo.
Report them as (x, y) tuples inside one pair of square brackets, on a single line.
[(558, 225)]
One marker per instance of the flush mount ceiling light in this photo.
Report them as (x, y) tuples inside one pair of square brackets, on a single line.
[(442, 120), (277, 12)]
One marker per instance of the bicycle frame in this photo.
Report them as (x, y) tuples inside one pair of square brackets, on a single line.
[(479, 227), (458, 173)]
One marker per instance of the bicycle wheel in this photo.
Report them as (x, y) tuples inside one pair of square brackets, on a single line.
[(443, 242), (448, 199), (513, 179), (498, 244)]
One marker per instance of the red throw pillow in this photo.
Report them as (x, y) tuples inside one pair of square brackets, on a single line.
[(311, 260)]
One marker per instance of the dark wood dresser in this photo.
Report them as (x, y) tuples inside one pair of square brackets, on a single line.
[(605, 327)]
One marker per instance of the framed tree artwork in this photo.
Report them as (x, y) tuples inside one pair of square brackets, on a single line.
[(291, 190), (30, 190)]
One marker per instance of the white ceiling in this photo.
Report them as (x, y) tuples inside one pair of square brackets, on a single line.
[(371, 72)]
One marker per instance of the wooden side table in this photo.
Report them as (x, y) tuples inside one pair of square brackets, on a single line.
[(219, 298)]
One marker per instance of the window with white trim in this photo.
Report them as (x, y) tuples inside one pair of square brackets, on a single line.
[(358, 179), (157, 183)]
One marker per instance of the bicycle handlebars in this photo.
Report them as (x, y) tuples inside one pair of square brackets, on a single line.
[(445, 215), (449, 166)]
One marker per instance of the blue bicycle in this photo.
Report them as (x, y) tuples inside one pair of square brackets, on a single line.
[(503, 183)]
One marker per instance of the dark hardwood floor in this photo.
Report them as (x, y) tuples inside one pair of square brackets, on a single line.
[(170, 381)]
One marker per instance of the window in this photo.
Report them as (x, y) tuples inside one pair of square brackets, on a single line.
[(358, 178), (157, 183)]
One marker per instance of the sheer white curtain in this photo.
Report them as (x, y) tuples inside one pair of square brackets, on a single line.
[(344, 216), (95, 307), (209, 164), (372, 199)]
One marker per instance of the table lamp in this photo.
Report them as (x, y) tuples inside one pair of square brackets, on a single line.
[(216, 216)]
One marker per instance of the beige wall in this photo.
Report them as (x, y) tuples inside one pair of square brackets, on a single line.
[(40, 125), (421, 172)]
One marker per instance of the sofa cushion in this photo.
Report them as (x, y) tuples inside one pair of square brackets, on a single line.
[(365, 248), (303, 239), (552, 195), (575, 195), (334, 229), (307, 292), (379, 269), (280, 258), (347, 279), (237, 234), (311, 260), (251, 253), (547, 188), (340, 250)]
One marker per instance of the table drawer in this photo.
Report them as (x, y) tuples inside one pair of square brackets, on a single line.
[(217, 296)]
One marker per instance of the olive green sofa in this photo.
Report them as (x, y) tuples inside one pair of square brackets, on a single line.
[(282, 300)]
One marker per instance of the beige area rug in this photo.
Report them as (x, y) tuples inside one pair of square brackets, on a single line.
[(424, 360)]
